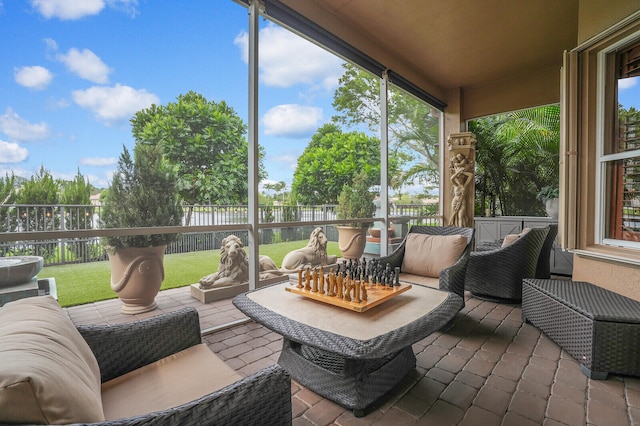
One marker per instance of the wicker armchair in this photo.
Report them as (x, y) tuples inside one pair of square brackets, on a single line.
[(497, 274), (261, 398), (451, 279), (543, 268)]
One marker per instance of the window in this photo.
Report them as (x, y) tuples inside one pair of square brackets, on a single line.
[(620, 158)]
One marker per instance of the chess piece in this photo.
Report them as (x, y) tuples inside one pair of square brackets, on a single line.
[(364, 292), (340, 281), (307, 279), (321, 289), (332, 283), (299, 278), (397, 270), (314, 289), (347, 291)]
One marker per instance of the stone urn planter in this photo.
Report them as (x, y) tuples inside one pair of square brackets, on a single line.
[(136, 276), (354, 202), (352, 241), (551, 206), (143, 193)]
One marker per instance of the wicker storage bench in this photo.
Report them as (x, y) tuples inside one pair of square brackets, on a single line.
[(599, 328)]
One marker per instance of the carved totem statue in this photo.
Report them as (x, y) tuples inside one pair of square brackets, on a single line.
[(462, 154)]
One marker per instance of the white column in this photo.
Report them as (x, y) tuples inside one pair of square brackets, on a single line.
[(254, 268), (384, 164)]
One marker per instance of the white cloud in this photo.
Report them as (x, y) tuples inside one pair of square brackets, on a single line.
[(12, 152), (287, 59), (86, 65), (55, 104), (50, 44), (101, 181), (128, 6), (627, 83), (67, 9), (290, 120), (112, 105), (289, 161), (98, 162), (18, 129), (78, 9), (34, 77)]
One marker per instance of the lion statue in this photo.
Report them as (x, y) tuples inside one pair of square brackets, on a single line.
[(234, 266), (314, 254)]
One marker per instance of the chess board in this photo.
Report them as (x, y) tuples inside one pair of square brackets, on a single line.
[(376, 294)]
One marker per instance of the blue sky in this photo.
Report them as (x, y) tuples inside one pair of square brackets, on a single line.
[(73, 72), (629, 92)]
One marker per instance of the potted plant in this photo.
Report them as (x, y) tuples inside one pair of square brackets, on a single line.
[(354, 201), (143, 193), (549, 196)]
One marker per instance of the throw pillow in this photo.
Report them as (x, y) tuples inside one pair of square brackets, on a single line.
[(48, 374), (514, 237), (427, 255)]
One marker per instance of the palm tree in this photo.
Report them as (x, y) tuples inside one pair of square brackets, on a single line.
[(517, 156)]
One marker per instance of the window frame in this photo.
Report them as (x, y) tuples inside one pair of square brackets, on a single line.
[(604, 123)]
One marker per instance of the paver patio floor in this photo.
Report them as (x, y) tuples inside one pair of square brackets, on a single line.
[(487, 368)]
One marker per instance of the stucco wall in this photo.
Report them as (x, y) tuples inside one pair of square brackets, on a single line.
[(620, 278), (595, 16)]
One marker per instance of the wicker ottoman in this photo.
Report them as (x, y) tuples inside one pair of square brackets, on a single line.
[(599, 328)]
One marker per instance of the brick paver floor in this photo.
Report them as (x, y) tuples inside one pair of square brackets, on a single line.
[(487, 368)]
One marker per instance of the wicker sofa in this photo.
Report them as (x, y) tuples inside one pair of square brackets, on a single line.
[(152, 371), (445, 263)]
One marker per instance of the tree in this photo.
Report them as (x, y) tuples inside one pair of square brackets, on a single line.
[(279, 189), (143, 193), (413, 125), (331, 160), (77, 192), (7, 189), (41, 189), (205, 143), (517, 155), (7, 196)]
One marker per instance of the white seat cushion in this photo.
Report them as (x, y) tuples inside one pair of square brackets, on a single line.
[(420, 279), (169, 382)]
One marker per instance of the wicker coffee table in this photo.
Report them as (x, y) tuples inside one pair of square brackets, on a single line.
[(351, 358)]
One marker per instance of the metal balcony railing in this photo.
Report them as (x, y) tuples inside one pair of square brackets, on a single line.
[(64, 234)]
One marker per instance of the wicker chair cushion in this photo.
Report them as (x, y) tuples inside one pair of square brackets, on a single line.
[(48, 374), (427, 255), (190, 374), (420, 279), (508, 239)]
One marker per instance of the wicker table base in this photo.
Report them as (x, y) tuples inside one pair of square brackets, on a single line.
[(355, 384), (599, 328), (319, 352)]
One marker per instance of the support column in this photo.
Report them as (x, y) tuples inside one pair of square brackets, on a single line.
[(252, 136), (460, 177)]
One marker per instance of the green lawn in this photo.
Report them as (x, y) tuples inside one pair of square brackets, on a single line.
[(89, 282)]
